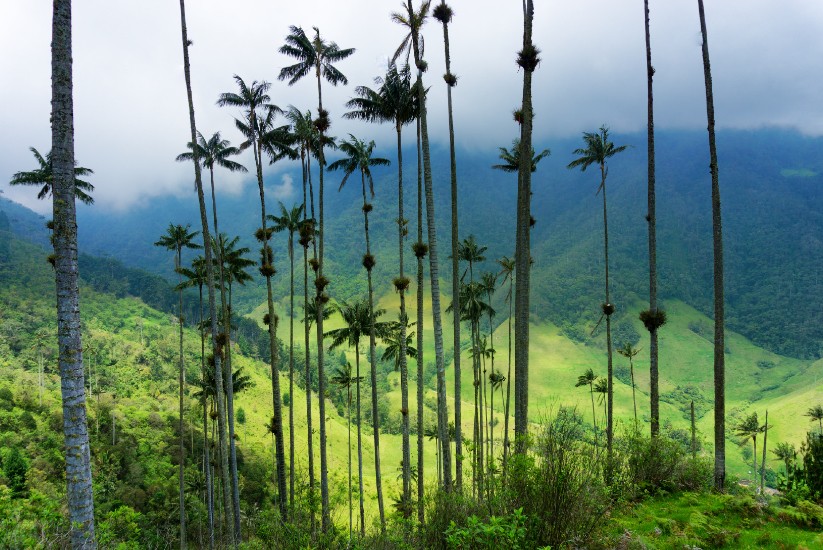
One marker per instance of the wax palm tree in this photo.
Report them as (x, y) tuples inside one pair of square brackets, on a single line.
[(394, 101), (484, 353), (601, 388), (358, 319), (176, 239), (511, 158), (473, 308), (44, 175), (289, 221), (788, 454), (597, 151), (359, 159), (78, 460), (488, 282), (392, 336), (320, 56), (507, 272), (527, 59), (628, 351), (263, 136), (816, 413), (717, 244), (653, 318), (343, 377), (413, 21), (588, 378), (496, 380), (746, 430)]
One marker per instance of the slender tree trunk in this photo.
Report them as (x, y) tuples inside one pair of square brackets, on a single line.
[(404, 319), (373, 363), (654, 390), (455, 240), (291, 370), (609, 306), (594, 415), (420, 365), (359, 441), (508, 389), (180, 380), (763, 462), (522, 254), (275, 374), (348, 425), (307, 331), (442, 405), (634, 396), (321, 376), (206, 458), (694, 434), (218, 366), (75, 429), (226, 308), (719, 315)]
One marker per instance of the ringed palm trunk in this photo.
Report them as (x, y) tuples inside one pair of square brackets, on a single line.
[(291, 370), (508, 390), (273, 348), (719, 315), (420, 370), (307, 336), (218, 367), (458, 437), (523, 245), (634, 396), (180, 381), (442, 405), (359, 441), (72, 383), (404, 366), (373, 362), (321, 377), (654, 390), (226, 308), (206, 457), (608, 305)]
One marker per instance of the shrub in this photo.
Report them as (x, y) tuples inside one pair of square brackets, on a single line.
[(504, 533)]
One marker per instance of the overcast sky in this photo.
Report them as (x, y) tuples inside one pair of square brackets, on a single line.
[(130, 105)]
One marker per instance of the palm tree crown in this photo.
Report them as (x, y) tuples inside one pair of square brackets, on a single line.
[(359, 158), (311, 54), (42, 175), (511, 158), (213, 152), (598, 149)]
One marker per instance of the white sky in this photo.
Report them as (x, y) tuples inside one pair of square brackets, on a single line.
[(130, 106)]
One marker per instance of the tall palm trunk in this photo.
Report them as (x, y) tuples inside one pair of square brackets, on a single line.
[(321, 381), (373, 359), (719, 315), (420, 370), (404, 365), (442, 405), (608, 309), (206, 458), (508, 390), (307, 335), (291, 370), (180, 380), (634, 396), (444, 14), (359, 441), (522, 255), (226, 308), (75, 430), (218, 367), (654, 390), (273, 348), (348, 426)]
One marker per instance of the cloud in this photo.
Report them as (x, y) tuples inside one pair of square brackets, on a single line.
[(283, 191), (132, 114)]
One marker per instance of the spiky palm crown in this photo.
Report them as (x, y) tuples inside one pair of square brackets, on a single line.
[(211, 152), (443, 13), (511, 158), (42, 175), (312, 54)]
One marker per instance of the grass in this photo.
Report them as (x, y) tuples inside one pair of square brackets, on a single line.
[(689, 520)]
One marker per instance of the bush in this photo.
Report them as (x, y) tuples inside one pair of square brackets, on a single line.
[(560, 485), (504, 533)]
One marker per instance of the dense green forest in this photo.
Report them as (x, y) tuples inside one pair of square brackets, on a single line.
[(353, 364)]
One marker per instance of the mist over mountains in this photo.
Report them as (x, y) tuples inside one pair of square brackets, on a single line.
[(772, 192)]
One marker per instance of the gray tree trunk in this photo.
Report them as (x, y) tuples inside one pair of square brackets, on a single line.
[(717, 239), (420, 366), (72, 383), (522, 254)]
